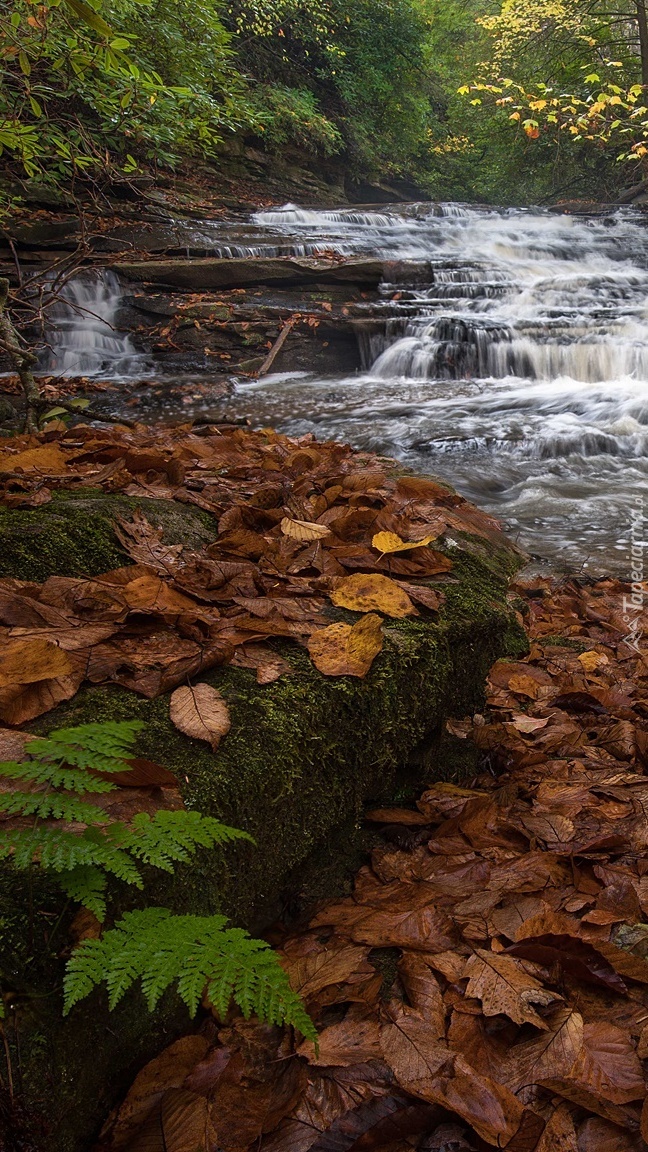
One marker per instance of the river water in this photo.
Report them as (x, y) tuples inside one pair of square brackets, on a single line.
[(513, 362)]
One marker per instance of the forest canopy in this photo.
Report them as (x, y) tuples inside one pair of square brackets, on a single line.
[(525, 100)]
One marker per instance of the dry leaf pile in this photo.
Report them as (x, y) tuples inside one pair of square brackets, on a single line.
[(300, 527), (486, 985)]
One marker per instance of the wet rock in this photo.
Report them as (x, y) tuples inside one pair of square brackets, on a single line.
[(45, 233), (212, 272)]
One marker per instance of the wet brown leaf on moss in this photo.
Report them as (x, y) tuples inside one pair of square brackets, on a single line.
[(200, 712)]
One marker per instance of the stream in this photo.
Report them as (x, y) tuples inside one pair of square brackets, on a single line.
[(513, 364)]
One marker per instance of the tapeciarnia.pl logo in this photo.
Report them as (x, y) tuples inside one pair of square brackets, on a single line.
[(633, 605)]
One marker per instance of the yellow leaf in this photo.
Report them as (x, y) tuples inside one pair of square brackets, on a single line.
[(303, 529), (342, 650), (524, 686), (390, 542), (369, 592), (28, 661), (591, 660)]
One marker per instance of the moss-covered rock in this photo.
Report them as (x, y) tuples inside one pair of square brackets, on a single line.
[(303, 756), (74, 534)]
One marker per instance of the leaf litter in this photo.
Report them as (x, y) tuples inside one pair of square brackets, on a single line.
[(514, 1013), (303, 532)]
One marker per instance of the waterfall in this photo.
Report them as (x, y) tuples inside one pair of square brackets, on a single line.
[(513, 362), (83, 338)]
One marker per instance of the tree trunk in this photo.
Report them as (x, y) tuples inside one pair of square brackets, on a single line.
[(22, 359), (642, 24)]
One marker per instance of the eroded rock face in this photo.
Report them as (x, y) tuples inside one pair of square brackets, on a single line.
[(237, 272)]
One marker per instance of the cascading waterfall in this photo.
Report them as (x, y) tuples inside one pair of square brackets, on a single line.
[(83, 338), (515, 363)]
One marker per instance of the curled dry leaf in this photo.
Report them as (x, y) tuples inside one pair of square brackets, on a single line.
[(345, 650), (373, 592), (303, 530), (200, 712)]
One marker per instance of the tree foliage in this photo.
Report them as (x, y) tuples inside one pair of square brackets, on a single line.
[(577, 70)]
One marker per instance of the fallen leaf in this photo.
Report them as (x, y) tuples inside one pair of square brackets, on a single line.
[(505, 988), (373, 592), (200, 712), (578, 957), (28, 661), (47, 459), (385, 542), (303, 529), (345, 650), (352, 1041), (592, 660)]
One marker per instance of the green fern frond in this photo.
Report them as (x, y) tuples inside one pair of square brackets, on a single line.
[(55, 775), (159, 948), (51, 806), (58, 850), (103, 747), (166, 836), (86, 884)]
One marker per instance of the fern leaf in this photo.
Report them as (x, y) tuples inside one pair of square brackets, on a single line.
[(51, 806), (157, 948), (86, 884), (55, 775), (62, 851), (167, 837), (99, 747)]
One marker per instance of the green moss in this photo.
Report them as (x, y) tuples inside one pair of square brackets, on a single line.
[(74, 534)]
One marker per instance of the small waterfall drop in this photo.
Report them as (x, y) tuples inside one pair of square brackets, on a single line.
[(83, 338)]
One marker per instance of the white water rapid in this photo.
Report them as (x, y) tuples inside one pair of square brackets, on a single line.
[(83, 338), (515, 364)]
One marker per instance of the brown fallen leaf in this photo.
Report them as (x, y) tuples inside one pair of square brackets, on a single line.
[(168, 1070), (560, 1133), (608, 1065), (505, 988), (303, 530), (551, 1054), (355, 1040), (47, 459), (200, 712), (347, 650), (268, 665), (578, 957), (144, 545), (28, 661)]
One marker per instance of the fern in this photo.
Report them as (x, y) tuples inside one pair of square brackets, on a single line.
[(62, 768), (83, 846), (198, 952)]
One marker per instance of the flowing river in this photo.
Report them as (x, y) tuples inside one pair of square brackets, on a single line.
[(516, 367)]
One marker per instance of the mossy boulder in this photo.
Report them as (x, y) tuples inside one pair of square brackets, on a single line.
[(74, 534), (303, 756)]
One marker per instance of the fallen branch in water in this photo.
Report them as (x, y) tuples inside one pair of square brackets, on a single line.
[(277, 346)]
